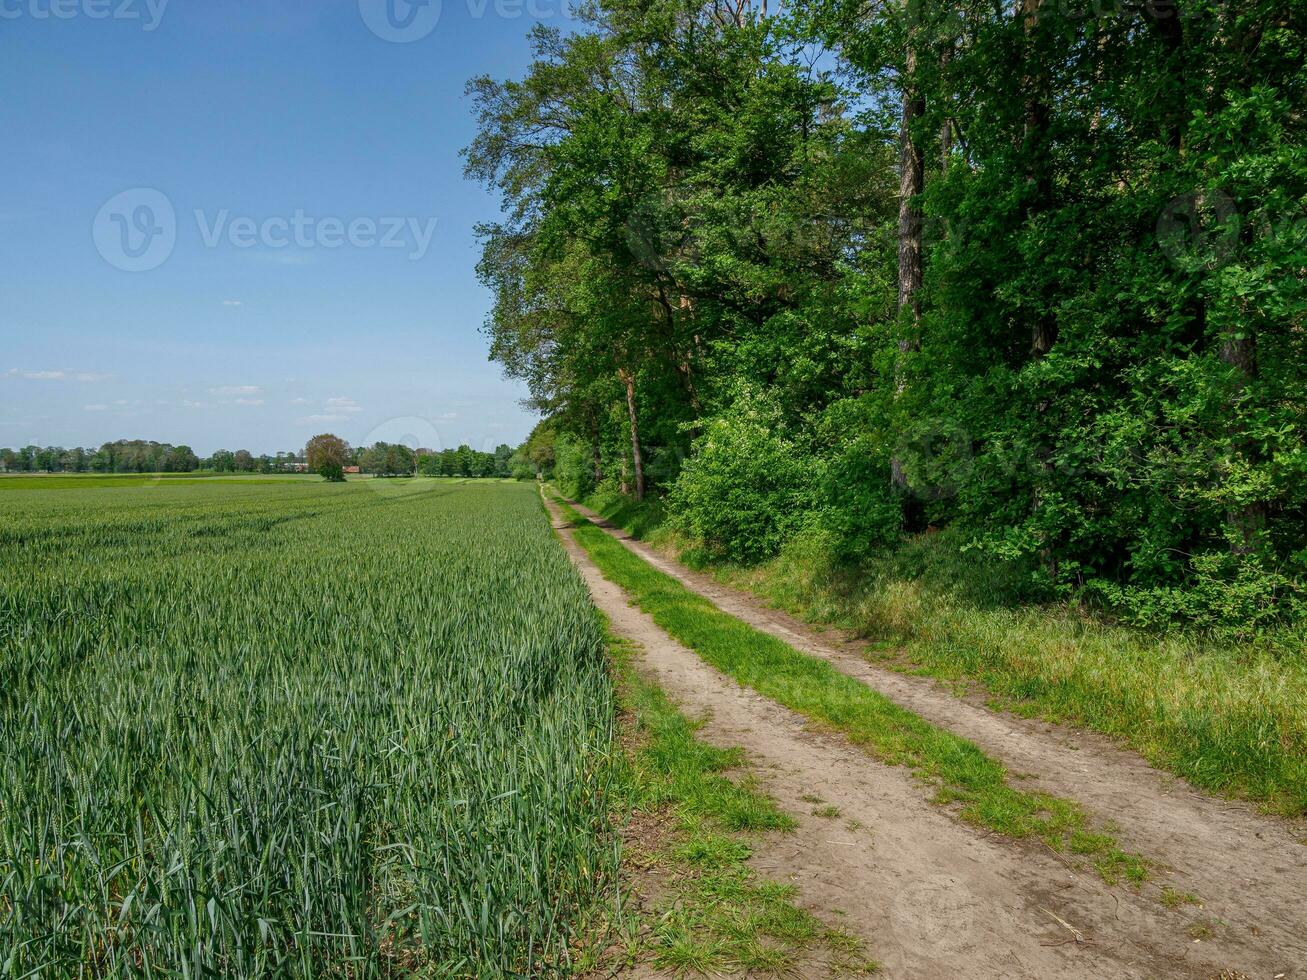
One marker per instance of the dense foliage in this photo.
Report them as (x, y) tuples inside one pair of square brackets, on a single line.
[(123, 456), (1035, 272), (274, 729), (243, 461), (464, 461)]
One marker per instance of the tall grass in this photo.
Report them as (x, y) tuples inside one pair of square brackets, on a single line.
[(1230, 716), (306, 731)]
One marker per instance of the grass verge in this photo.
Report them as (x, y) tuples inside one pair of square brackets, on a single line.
[(959, 771), (701, 908), (1229, 717)]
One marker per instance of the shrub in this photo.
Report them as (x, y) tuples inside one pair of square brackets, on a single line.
[(573, 467), (746, 487)]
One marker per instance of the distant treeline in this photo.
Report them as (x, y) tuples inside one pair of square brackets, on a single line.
[(123, 456), (393, 459), (243, 461), (381, 459)]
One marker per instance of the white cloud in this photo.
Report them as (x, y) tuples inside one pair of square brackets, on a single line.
[(343, 404), (449, 416), (57, 375), (232, 391), (187, 403), (96, 408), (249, 401), (232, 302), (299, 401), (315, 419)]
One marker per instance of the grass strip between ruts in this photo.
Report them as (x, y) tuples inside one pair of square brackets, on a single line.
[(959, 771)]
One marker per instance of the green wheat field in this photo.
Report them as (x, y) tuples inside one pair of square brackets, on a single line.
[(281, 727)]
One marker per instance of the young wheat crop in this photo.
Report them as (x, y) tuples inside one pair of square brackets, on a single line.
[(296, 730)]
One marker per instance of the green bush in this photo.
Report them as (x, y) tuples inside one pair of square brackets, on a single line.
[(746, 486), (332, 472), (573, 467), (858, 508)]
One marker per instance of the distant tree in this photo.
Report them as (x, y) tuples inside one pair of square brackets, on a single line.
[(400, 460), (539, 448), (328, 455), (243, 461), (47, 459), (181, 459), (520, 466), (464, 459), (389, 459), (222, 461), (73, 461), (503, 454)]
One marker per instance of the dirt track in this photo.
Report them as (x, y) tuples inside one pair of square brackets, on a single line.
[(934, 898)]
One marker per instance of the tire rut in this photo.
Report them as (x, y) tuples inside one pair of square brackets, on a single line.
[(930, 896)]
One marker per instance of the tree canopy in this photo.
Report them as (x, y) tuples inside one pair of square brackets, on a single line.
[(1034, 272)]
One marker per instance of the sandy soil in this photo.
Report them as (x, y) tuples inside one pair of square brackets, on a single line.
[(935, 898)]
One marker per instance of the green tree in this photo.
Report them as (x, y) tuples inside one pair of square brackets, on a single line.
[(327, 455), (503, 456), (1031, 274)]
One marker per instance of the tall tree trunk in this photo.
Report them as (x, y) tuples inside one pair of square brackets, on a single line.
[(1039, 198), (946, 127), (1043, 329), (912, 176), (911, 184), (637, 459), (1164, 15)]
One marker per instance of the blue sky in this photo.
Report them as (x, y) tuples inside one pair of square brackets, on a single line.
[(327, 282)]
